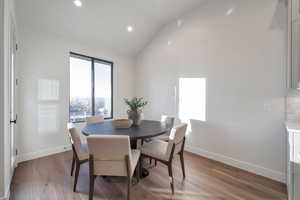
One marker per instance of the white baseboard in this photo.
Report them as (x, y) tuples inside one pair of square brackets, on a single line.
[(42, 153), (269, 173), (6, 197)]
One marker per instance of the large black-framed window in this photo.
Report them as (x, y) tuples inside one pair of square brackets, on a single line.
[(91, 87)]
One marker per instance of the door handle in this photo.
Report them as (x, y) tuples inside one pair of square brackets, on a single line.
[(13, 121)]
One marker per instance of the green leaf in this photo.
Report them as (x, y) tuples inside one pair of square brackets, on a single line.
[(135, 103)]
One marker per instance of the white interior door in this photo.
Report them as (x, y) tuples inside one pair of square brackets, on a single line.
[(13, 97)]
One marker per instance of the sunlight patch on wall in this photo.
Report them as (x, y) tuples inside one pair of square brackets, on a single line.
[(48, 90), (192, 99), (47, 119)]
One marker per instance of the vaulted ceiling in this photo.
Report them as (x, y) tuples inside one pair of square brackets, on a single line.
[(103, 23)]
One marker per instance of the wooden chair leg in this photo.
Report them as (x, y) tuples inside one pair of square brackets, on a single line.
[(129, 177), (155, 163), (92, 176), (76, 175), (92, 183), (138, 171), (73, 165), (141, 160), (128, 189), (182, 164), (141, 165), (171, 177)]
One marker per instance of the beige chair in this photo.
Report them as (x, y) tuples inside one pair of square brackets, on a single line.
[(112, 156), (169, 123), (94, 120), (80, 153), (164, 151)]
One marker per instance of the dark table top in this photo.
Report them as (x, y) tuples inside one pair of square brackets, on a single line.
[(146, 129)]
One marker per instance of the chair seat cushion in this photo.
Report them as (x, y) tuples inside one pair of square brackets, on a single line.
[(156, 149), (164, 137)]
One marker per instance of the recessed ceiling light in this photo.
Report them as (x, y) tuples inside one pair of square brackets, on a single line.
[(169, 42), (230, 11), (77, 3), (129, 29), (179, 23)]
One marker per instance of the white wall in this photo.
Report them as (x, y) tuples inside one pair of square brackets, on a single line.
[(242, 56), (46, 57)]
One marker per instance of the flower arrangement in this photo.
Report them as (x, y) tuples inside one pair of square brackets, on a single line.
[(135, 109), (136, 103)]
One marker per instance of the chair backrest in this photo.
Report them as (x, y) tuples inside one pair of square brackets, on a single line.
[(168, 120), (94, 119), (176, 139), (76, 143), (109, 154)]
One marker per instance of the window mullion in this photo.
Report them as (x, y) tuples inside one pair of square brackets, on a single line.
[(93, 87)]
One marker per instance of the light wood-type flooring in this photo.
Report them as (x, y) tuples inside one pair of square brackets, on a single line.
[(49, 178)]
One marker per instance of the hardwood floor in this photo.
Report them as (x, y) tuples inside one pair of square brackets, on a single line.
[(49, 178)]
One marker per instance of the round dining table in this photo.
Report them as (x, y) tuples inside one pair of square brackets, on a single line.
[(147, 129)]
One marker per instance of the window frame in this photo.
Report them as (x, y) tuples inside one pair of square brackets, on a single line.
[(93, 60)]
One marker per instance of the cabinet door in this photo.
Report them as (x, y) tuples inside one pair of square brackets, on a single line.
[(290, 166), (296, 54), (296, 189), (296, 9)]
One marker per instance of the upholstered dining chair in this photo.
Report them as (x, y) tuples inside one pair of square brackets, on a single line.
[(169, 123), (164, 151), (80, 153), (112, 156), (94, 119)]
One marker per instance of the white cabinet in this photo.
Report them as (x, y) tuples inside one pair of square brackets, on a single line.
[(296, 167), (290, 154), (293, 164), (295, 9), (294, 44), (296, 54)]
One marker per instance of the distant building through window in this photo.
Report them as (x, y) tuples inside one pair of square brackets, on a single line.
[(90, 87)]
